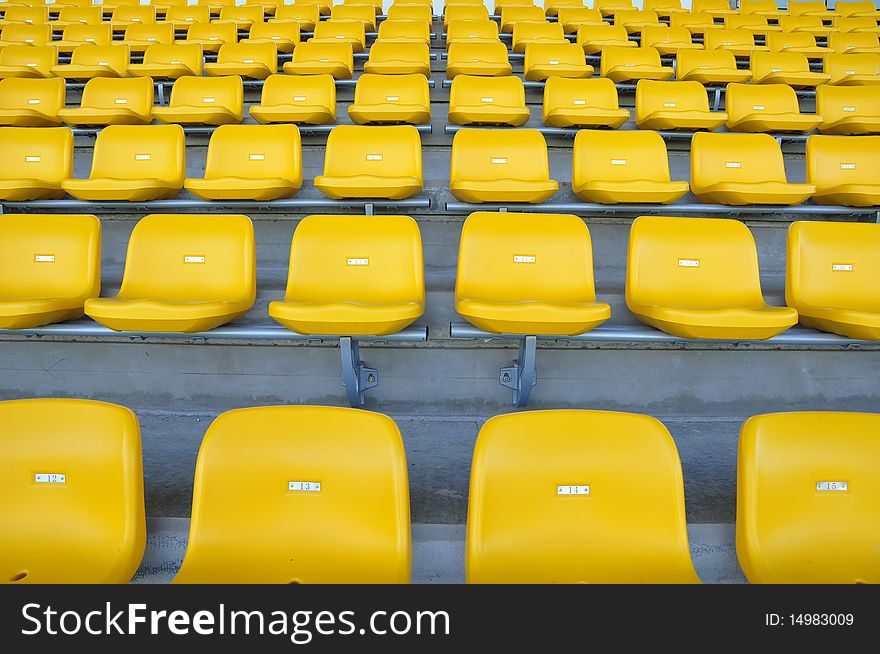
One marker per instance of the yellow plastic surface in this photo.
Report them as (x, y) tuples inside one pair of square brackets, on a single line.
[(668, 40), (341, 31), (285, 35), (740, 42), (859, 24), (511, 15), (675, 105), (753, 23), (696, 22), (372, 162), (595, 38), (27, 61), (139, 37), (399, 59), (211, 36), (122, 17), (133, 163), (18, 14), (857, 8), (628, 166), (525, 33), (355, 529), (709, 67), (628, 64), (310, 58), (582, 103), (183, 273), (323, 5), (77, 35), (77, 15), (242, 16), (469, 12), (524, 273), (796, 42), (89, 528), (847, 109), (183, 17), (353, 276), (767, 8), (854, 43), (397, 12), (698, 278), (488, 101), (405, 31), (571, 18), (552, 7), (844, 169), (169, 61), (309, 99), (790, 68), (247, 60), (90, 61), (610, 7), (853, 69), (24, 34), (203, 101), (665, 8), (545, 60), (51, 265), (488, 59), (500, 166), (742, 169), (307, 15), (31, 102), (35, 162), (391, 99), (787, 531), (630, 528), (712, 7), (766, 108), (805, 24), (366, 14), (809, 8), (108, 101), (634, 20)]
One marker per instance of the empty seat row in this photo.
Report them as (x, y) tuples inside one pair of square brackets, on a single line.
[(565, 496)]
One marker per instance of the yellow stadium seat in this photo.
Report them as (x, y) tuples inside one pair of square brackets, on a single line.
[(139, 37), (712, 7), (582, 103), (125, 16), (469, 12), (487, 59), (399, 59), (250, 162), (391, 99), (675, 105), (698, 278), (285, 35), (767, 8), (203, 101), (72, 483), (751, 23), (853, 69), (790, 68), (742, 169), (108, 101), (594, 38), (211, 36), (472, 31), (309, 99), (796, 42), (46, 159), (830, 277), (27, 61), (545, 60), (844, 170), (848, 109), (668, 40), (695, 23), (310, 58), (89, 61), (571, 18), (552, 7), (854, 43), (182, 17), (766, 108), (635, 20), (51, 266), (665, 8), (857, 25), (572, 496), (326, 501), (526, 32), (169, 62), (807, 485), (134, 163), (77, 35), (379, 291), (488, 101), (341, 31), (808, 8), (610, 7), (738, 41), (269, 6), (709, 67), (397, 12), (72, 15), (241, 16), (372, 162), (366, 14), (805, 25), (322, 5), (405, 31), (247, 60), (377, 4), (500, 166), (306, 15), (23, 15), (31, 102), (629, 65), (627, 166), (24, 34), (847, 8), (527, 274), (512, 15)]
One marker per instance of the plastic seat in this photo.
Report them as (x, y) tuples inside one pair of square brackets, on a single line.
[(624, 521), (247, 60), (512, 15), (635, 20), (527, 274), (796, 42), (844, 170), (309, 99), (830, 278), (622, 167), (712, 7), (853, 69), (525, 33), (372, 162), (469, 12), (250, 162), (571, 18), (242, 16), (582, 103), (675, 105), (51, 265), (545, 60), (182, 17), (399, 59), (35, 162), (628, 65), (169, 62), (405, 31), (698, 278), (742, 169), (499, 5), (211, 36), (738, 41), (854, 43), (330, 291), (753, 23), (488, 101), (857, 25), (133, 163), (665, 8), (487, 59), (805, 24), (77, 35), (310, 58), (77, 465), (203, 101), (269, 6), (766, 108), (610, 7), (90, 61), (72, 15), (322, 5), (790, 498), (695, 23), (351, 526), (31, 102), (341, 31), (790, 68), (25, 34), (284, 35), (709, 67), (500, 166), (112, 102), (27, 61), (139, 37), (766, 8), (808, 8), (847, 8), (847, 109), (307, 15), (398, 12), (594, 38), (552, 7), (23, 15), (124, 16), (366, 14), (391, 100), (668, 40)]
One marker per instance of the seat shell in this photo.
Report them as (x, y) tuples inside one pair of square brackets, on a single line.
[(181, 17), (310, 58), (611, 7), (847, 8), (25, 34), (27, 61), (341, 31), (571, 18), (77, 35), (211, 36), (525, 33), (284, 34), (204, 101), (36, 162), (364, 13), (697, 22), (385, 99), (847, 109), (399, 59), (595, 38), (307, 99), (853, 69), (854, 43), (306, 15), (712, 7), (753, 23), (31, 102), (709, 67), (627, 64), (675, 105), (139, 37), (668, 40), (109, 101), (635, 20), (545, 60), (247, 60), (465, 13), (486, 59), (488, 101), (169, 62), (766, 8), (471, 31), (791, 68), (90, 61), (582, 103), (511, 15), (242, 16), (766, 108), (844, 170), (405, 31), (740, 42)]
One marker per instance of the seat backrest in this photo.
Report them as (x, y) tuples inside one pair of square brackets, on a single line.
[(115, 56), (661, 34), (848, 7), (538, 54), (40, 58), (474, 12), (255, 152), (189, 14), (140, 152), (222, 32), (487, 91), (299, 12), (391, 30), (662, 5), (792, 23), (400, 89), (696, 262), (833, 264), (652, 96), (564, 92), (324, 498), (340, 29), (518, 13), (850, 24), (411, 52), (29, 15), (50, 256), (44, 153), (841, 160), (153, 32), (694, 19), (587, 33), (139, 14), (754, 6), (836, 102), (101, 34), (252, 13), (135, 93), (190, 91), (527, 30), (734, 21), (614, 56), (461, 51), (246, 53), (710, 5), (410, 12), (188, 54), (723, 38), (690, 60), (817, 475), (626, 16), (782, 41), (382, 151), (577, 15), (296, 89), (765, 63), (363, 13), (749, 158), (520, 257), (744, 100), (612, 4), (86, 15), (619, 156), (489, 155), (573, 496), (840, 65), (71, 477), (799, 8), (461, 30), (44, 95), (24, 33), (842, 43), (310, 51), (190, 258)]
